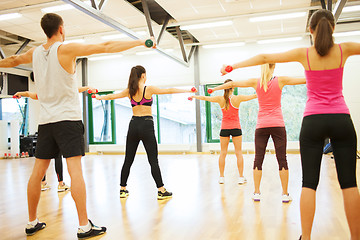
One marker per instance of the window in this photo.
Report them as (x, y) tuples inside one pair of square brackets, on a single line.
[(16, 109), (101, 120), (177, 118)]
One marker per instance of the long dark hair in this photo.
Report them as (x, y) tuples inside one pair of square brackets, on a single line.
[(227, 94), (322, 22), (134, 78)]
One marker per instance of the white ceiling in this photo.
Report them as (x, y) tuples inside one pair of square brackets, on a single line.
[(185, 12)]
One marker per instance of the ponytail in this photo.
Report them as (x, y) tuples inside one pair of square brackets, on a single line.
[(266, 75), (322, 23), (134, 78), (227, 94)]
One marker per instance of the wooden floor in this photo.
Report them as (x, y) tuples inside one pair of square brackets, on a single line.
[(199, 209)]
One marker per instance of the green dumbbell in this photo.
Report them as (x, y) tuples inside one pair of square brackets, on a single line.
[(149, 43)]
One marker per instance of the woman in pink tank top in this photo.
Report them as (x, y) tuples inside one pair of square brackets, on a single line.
[(230, 126), (326, 116), (269, 123)]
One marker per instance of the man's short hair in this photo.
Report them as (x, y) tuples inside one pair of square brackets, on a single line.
[(51, 23)]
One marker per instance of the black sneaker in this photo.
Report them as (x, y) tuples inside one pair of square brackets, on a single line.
[(124, 193), (94, 231), (164, 195), (31, 230)]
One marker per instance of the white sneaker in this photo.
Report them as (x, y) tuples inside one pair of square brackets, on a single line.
[(256, 197), (45, 186), (221, 180), (286, 198), (63, 188), (242, 180)]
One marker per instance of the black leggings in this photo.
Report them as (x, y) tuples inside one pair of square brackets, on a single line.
[(278, 134), (141, 129), (58, 169), (340, 129)]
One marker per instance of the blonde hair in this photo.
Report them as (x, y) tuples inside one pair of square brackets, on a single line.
[(227, 94), (266, 74)]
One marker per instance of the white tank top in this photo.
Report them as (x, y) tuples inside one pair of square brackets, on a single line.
[(56, 88)]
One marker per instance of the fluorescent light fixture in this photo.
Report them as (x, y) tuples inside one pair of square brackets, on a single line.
[(145, 53), (351, 8), (74, 41), (9, 16), (278, 40), (57, 8), (207, 25), (224, 45), (114, 36), (99, 58), (346, 34), (277, 17)]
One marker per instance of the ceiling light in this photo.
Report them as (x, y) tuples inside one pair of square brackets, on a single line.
[(58, 8), (114, 36), (224, 45), (9, 16), (145, 53), (207, 25), (279, 40), (345, 34), (74, 41), (351, 8), (98, 58), (277, 17)]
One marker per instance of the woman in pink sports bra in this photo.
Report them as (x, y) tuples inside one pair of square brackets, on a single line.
[(141, 127), (269, 123), (326, 116), (230, 126)]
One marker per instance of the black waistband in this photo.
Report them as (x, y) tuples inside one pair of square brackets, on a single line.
[(142, 118)]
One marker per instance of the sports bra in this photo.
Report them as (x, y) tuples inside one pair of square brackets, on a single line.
[(143, 101)]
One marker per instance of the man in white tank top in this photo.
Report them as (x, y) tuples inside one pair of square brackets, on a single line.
[(60, 125)]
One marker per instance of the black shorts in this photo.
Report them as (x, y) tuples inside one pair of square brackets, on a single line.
[(233, 132), (66, 137)]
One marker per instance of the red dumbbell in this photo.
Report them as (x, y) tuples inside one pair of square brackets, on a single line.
[(16, 97), (193, 89), (93, 96), (229, 68), (210, 91), (90, 91), (190, 98)]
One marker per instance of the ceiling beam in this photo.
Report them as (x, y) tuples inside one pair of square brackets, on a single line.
[(21, 48), (2, 54), (338, 9), (163, 28), (329, 7), (102, 4), (115, 25), (323, 5), (147, 16), (181, 42)]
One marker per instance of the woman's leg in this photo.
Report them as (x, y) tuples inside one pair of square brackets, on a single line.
[(224, 143), (237, 141), (344, 143), (312, 137), (59, 169), (278, 135), (261, 139), (149, 140), (132, 143)]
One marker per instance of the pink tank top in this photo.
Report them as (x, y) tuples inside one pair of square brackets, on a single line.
[(324, 90), (230, 119), (270, 114)]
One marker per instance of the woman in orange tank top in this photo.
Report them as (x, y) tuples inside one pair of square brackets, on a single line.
[(230, 126)]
